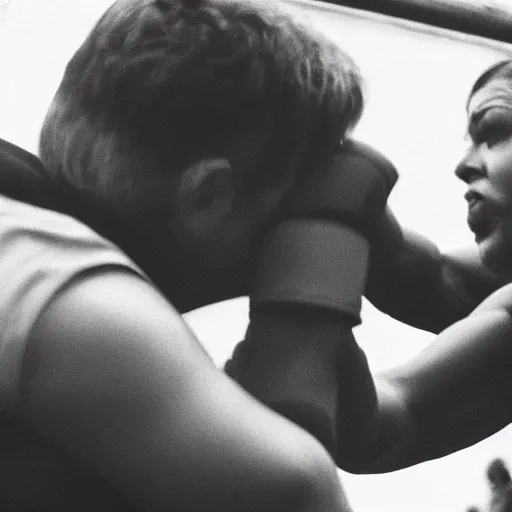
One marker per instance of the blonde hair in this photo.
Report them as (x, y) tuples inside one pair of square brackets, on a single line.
[(158, 83)]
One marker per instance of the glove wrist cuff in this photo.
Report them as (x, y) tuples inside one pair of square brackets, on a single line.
[(314, 262)]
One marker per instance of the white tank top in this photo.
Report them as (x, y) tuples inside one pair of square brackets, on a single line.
[(41, 251)]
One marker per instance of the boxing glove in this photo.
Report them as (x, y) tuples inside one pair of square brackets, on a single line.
[(317, 252), (308, 286)]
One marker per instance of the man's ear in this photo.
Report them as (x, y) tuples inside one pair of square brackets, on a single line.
[(205, 191)]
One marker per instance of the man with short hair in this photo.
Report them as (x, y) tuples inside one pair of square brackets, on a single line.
[(178, 132)]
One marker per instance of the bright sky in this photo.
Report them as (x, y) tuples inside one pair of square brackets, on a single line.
[(417, 83)]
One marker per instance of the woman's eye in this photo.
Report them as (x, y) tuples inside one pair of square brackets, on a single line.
[(493, 131), (491, 135)]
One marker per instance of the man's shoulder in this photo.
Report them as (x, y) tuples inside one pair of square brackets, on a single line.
[(53, 246), (23, 177), (13, 158), (25, 224), (41, 253)]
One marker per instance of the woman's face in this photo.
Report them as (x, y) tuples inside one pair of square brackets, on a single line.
[(487, 170)]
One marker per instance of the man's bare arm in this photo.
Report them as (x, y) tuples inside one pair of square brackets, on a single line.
[(113, 376)]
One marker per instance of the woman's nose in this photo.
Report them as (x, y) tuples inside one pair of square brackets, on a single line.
[(471, 166)]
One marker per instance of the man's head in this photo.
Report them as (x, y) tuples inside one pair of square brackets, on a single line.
[(487, 167), (189, 121)]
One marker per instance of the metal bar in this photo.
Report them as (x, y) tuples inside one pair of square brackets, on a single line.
[(488, 21)]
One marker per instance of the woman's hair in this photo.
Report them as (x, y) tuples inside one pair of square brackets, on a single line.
[(159, 83), (502, 69)]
